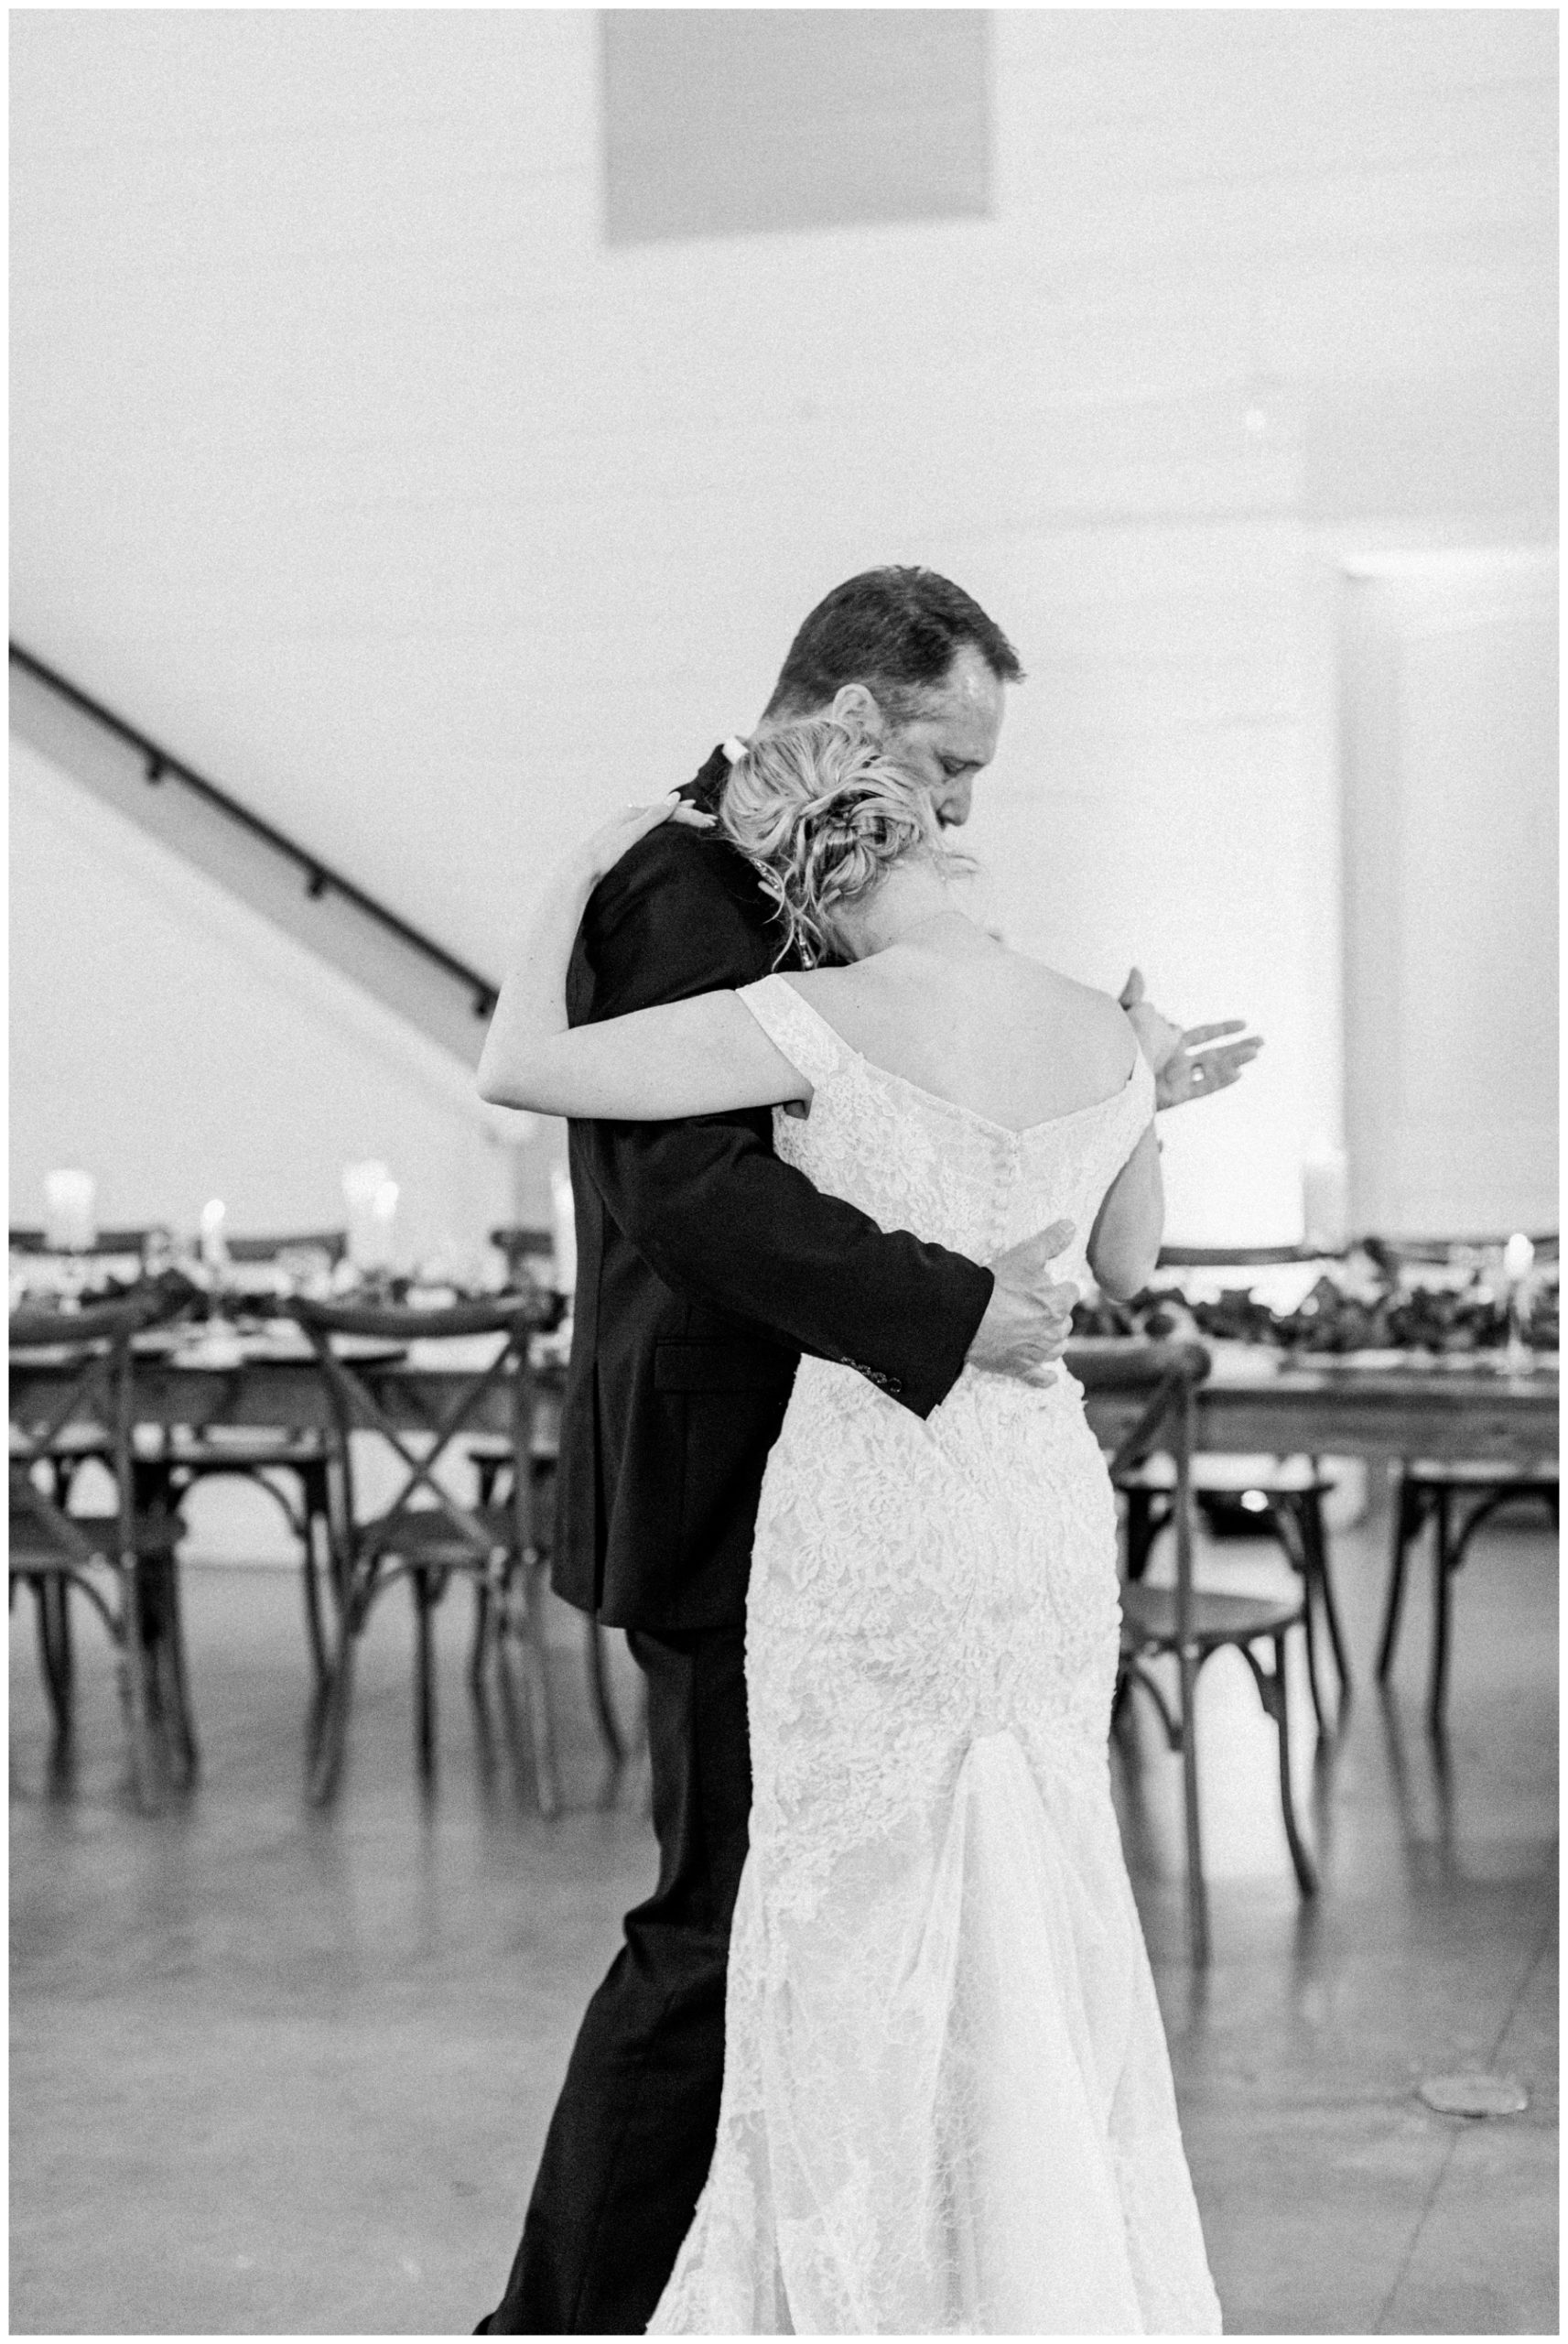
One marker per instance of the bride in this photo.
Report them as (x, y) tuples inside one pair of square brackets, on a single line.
[(947, 2104)]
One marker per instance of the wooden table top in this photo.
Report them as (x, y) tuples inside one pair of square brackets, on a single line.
[(1254, 1401)]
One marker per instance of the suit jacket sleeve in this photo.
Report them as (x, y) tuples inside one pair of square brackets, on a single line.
[(706, 1201)]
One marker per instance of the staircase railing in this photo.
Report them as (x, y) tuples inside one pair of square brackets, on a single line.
[(319, 878)]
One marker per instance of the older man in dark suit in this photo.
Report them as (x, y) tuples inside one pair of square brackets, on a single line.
[(705, 1268)]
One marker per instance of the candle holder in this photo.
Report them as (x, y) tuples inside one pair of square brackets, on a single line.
[(1518, 1359), (71, 1277), (1518, 1261)]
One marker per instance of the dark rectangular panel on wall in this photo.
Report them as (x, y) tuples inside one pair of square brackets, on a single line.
[(723, 122)]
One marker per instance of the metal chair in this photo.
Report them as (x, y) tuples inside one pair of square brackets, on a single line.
[(1143, 1394), (1455, 1497), (426, 1536), (123, 1561)]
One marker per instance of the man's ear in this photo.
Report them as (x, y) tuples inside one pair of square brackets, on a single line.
[(855, 704)]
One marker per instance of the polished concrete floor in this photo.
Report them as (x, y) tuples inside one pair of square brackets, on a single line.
[(278, 2072)]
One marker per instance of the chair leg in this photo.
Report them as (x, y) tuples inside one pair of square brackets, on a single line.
[(1442, 1600), (423, 1606), (1299, 1551), (489, 1616), (1197, 1887), (138, 1687), (1305, 1871), (315, 1512), (482, 1611), (51, 1594), (541, 1721), (168, 1670), (68, 1640), (1315, 1531), (331, 1733), (1139, 1534), (52, 1590), (599, 1693), (1407, 1522)]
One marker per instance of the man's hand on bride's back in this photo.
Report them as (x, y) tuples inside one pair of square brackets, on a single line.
[(1030, 1315)]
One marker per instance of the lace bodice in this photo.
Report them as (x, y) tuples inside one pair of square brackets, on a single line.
[(912, 1160)]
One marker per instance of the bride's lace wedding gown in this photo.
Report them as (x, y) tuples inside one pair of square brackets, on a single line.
[(946, 2102)]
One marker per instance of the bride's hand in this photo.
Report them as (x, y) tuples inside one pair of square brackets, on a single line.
[(1157, 1038), (1183, 1068), (604, 849)]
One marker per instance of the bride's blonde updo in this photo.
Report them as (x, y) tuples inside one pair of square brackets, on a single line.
[(823, 812)]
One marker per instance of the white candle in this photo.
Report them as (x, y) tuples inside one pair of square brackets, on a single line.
[(564, 1227), (362, 1184), (1325, 1199), (1519, 1258), (383, 1214), (69, 1201), (214, 1250)]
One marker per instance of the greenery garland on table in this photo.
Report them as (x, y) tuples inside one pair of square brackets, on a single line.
[(1331, 1319)]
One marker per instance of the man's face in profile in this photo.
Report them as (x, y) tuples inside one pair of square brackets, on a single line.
[(954, 736)]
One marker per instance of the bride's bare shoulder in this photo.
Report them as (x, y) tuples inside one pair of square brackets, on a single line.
[(1086, 1002), (821, 986), (857, 1001), (1091, 1023)]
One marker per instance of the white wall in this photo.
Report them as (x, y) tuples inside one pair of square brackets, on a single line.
[(179, 1047), (1451, 877), (349, 458)]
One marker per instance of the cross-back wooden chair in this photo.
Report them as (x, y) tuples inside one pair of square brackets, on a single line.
[(1292, 1490), (122, 1561), (289, 1464), (426, 1535), (1141, 1397)]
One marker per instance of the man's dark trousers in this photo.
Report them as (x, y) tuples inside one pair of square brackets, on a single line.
[(632, 2139)]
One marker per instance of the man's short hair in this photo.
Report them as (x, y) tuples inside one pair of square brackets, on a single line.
[(894, 630)]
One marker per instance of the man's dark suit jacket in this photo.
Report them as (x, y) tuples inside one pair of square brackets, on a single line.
[(705, 1268)]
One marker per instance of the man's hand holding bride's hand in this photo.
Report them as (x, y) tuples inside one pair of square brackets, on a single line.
[(1030, 1317), (1182, 1067), (603, 848)]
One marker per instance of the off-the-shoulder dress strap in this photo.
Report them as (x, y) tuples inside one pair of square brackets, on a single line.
[(806, 1039)]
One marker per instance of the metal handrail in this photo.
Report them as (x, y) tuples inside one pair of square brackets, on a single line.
[(321, 878)]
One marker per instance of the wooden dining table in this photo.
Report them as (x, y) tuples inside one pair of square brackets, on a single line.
[(1254, 1402), (1259, 1402)]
